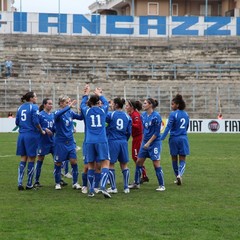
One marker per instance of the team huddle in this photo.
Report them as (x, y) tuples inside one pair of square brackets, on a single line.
[(107, 131)]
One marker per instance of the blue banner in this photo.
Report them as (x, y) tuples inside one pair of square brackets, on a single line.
[(108, 25)]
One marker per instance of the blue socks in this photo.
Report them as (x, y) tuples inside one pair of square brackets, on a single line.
[(74, 173), (97, 179), (90, 176), (179, 169), (84, 179), (112, 178), (57, 174), (175, 167), (38, 170), (182, 165), (65, 166), (30, 173), (104, 178), (126, 175), (160, 177), (21, 170), (138, 174)]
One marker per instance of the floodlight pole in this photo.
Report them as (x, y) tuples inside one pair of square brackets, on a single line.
[(59, 16), (170, 8), (133, 8), (97, 17), (206, 8), (20, 15)]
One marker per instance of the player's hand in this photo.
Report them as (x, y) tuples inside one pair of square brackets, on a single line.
[(86, 90), (98, 91), (146, 146), (49, 132), (72, 103), (43, 132)]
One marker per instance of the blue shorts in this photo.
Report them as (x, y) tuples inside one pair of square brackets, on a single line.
[(96, 152), (118, 151), (179, 145), (64, 151), (44, 150), (27, 144), (153, 151)]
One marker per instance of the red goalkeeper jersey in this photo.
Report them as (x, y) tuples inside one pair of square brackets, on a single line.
[(137, 127)]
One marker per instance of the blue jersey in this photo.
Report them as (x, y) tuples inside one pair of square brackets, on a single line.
[(109, 113), (95, 118), (63, 120), (27, 118), (84, 143), (178, 123), (151, 125), (119, 126), (46, 120)]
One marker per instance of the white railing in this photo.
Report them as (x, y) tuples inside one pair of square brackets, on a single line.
[(202, 100)]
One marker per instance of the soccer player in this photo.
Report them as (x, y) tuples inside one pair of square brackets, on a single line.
[(96, 140), (65, 169), (133, 108), (64, 146), (85, 163), (119, 131), (97, 173), (45, 145), (151, 144), (85, 169), (178, 123), (29, 132), (46, 141), (65, 164)]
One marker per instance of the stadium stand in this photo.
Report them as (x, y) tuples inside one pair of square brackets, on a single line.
[(205, 70)]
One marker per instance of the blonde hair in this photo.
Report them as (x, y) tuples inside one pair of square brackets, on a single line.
[(62, 98)]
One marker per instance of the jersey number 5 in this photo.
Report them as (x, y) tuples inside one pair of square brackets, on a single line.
[(23, 115)]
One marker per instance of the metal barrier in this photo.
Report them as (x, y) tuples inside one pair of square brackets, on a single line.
[(2, 68), (67, 71), (171, 71), (142, 71), (202, 100)]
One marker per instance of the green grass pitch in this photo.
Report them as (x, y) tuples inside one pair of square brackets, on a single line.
[(206, 206)]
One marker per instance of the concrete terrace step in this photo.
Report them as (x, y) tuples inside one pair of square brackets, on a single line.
[(47, 60)]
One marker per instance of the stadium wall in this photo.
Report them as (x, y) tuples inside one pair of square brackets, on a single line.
[(195, 126), (110, 25)]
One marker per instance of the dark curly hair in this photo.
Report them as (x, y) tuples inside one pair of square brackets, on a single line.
[(152, 101), (178, 99), (44, 102), (27, 96), (119, 102), (136, 105), (93, 100)]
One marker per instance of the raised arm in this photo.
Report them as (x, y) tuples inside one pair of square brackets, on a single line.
[(83, 104), (58, 113), (168, 127), (105, 106)]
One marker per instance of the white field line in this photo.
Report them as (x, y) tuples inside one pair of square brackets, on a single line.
[(5, 156)]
